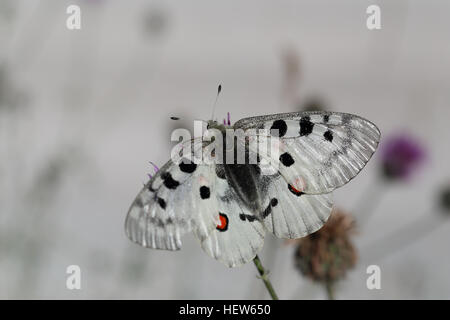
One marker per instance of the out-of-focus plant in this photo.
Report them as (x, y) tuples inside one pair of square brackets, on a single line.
[(7, 10), (401, 156), (413, 231), (326, 255), (155, 22), (445, 199), (11, 98), (291, 85), (35, 226), (313, 104), (291, 73)]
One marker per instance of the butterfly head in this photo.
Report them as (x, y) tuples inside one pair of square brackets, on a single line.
[(212, 124)]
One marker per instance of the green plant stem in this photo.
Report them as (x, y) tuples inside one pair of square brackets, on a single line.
[(330, 290), (265, 278)]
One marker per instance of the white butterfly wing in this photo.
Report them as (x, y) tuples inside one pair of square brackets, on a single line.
[(239, 235), (294, 214), (178, 199), (319, 151)]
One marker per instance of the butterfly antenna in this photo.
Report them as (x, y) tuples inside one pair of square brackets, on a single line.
[(219, 89), (155, 167)]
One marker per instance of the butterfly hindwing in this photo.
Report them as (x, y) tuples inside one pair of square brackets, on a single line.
[(239, 235), (318, 151), (291, 214)]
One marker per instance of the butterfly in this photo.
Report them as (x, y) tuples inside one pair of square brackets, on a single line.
[(229, 207)]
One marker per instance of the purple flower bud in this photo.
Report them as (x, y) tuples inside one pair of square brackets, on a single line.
[(401, 155), (228, 120)]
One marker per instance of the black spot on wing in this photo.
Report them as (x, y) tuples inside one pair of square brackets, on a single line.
[(274, 202), (205, 193), (267, 211), (169, 182), (326, 118), (328, 135), (306, 126), (187, 167), (247, 217), (161, 203), (279, 125), (286, 159), (160, 222)]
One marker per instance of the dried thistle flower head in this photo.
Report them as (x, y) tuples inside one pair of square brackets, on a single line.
[(326, 255)]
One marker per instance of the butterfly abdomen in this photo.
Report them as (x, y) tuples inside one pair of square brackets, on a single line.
[(245, 180)]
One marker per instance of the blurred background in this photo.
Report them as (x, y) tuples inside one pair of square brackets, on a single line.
[(82, 112)]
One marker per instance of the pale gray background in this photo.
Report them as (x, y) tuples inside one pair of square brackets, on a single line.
[(82, 113)]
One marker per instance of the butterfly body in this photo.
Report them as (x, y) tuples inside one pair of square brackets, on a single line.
[(230, 206), (245, 181)]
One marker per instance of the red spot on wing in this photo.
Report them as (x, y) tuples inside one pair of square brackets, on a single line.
[(294, 190), (223, 222)]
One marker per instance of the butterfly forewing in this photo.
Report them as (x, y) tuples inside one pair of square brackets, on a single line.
[(172, 203), (318, 151)]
